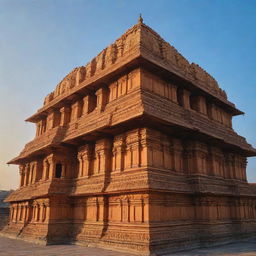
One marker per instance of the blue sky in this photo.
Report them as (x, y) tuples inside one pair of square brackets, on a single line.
[(41, 41)]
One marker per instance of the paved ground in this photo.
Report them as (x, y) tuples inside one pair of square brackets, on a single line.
[(246, 248), (12, 247)]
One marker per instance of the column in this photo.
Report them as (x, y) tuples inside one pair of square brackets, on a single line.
[(113, 91), (178, 161), (86, 164), (174, 93), (45, 169), (47, 212), (51, 162), (80, 169), (41, 215), (28, 212), (18, 212), (24, 216), (86, 108), (31, 170), (50, 120), (102, 149), (84, 157), (202, 104), (135, 147), (15, 212), (75, 111), (37, 213), (38, 128), (118, 153), (101, 209), (35, 170), (21, 170), (186, 99), (26, 179), (102, 97), (214, 159), (64, 115), (144, 149)]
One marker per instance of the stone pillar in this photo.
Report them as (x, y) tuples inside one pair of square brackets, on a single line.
[(64, 115), (76, 110), (102, 98), (31, 170), (27, 213), (24, 214), (85, 105), (202, 105), (135, 148), (19, 212), (45, 169), (47, 213), (50, 120), (36, 212), (38, 128), (51, 162), (178, 160), (186, 99), (102, 150), (41, 206), (86, 164), (174, 93), (92, 209), (84, 157), (15, 217), (21, 170), (200, 155), (133, 158), (144, 147), (168, 154), (80, 167), (100, 209), (214, 160), (118, 153), (126, 210), (35, 172), (43, 126), (26, 179), (243, 167), (113, 91)]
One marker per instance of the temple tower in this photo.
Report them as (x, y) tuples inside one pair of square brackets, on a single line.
[(135, 151)]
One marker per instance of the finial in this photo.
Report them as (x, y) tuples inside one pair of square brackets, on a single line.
[(140, 20)]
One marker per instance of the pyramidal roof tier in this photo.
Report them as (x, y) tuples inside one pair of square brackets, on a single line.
[(138, 44)]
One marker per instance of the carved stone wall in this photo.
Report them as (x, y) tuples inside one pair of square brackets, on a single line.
[(135, 151)]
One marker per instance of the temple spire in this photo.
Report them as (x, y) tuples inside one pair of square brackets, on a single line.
[(140, 19)]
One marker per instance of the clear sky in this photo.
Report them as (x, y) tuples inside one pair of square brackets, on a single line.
[(42, 40)]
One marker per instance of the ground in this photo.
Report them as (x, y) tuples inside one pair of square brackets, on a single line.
[(13, 247)]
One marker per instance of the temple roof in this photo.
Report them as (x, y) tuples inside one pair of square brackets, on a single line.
[(138, 42)]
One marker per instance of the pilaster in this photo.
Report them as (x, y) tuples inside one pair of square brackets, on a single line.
[(64, 115), (102, 97)]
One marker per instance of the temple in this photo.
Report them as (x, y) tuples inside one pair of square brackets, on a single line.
[(135, 152)]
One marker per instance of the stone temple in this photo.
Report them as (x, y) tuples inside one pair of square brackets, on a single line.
[(135, 152)]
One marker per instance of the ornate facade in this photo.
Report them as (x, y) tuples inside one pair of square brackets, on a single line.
[(135, 151)]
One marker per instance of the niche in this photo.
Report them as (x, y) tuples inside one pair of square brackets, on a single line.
[(58, 171)]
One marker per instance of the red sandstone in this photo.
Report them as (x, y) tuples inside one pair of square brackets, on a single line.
[(135, 151)]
